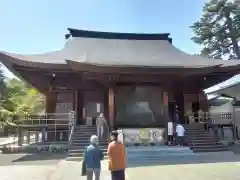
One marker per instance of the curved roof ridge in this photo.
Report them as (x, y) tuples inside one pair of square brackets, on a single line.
[(119, 35)]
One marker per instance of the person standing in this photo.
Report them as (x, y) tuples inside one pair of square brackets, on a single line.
[(93, 156), (100, 123), (170, 133), (117, 157), (180, 134)]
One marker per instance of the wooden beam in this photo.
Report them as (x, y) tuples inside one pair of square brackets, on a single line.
[(111, 107)]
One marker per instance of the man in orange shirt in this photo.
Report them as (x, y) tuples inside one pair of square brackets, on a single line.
[(117, 157)]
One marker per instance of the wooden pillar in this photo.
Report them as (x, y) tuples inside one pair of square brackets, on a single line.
[(203, 102), (111, 107), (50, 100), (105, 105), (79, 108), (165, 108), (166, 113)]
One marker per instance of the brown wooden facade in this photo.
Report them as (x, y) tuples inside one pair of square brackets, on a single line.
[(93, 65), (74, 91)]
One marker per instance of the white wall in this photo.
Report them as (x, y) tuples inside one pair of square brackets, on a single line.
[(223, 108)]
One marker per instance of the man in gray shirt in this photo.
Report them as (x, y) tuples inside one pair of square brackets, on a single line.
[(100, 123)]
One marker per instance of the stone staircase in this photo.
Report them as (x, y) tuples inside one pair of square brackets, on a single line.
[(200, 140), (81, 139)]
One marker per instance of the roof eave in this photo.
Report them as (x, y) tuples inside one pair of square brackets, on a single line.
[(118, 35)]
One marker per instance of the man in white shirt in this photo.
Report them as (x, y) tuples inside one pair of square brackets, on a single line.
[(180, 134)]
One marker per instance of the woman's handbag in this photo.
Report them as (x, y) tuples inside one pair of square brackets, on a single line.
[(84, 169)]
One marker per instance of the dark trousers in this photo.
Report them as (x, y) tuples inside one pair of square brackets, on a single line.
[(170, 138), (180, 140), (118, 175)]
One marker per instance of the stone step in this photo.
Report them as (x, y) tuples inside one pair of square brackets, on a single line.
[(213, 146), (217, 146), (200, 140), (81, 149), (83, 135), (86, 144), (74, 158), (86, 141), (199, 150), (80, 138), (82, 146), (85, 132), (81, 153), (156, 152), (85, 127), (157, 156), (203, 143), (194, 131), (89, 133), (199, 137)]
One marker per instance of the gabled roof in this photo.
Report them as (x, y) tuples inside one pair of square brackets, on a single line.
[(232, 90), (101, 51)]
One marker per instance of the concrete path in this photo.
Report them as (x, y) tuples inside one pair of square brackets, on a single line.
[(220, 166)]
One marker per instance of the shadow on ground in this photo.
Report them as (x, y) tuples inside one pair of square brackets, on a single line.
[(41, 157), (235, 148), (224, 157)]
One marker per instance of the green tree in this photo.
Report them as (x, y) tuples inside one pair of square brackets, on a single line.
[(2, 83), (4, 113), (20, 99), (218, 30), (23, 98)]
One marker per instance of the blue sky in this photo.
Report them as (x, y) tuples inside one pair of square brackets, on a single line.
[(39, 26)]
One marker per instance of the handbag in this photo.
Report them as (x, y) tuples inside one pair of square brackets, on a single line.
[(84, 169)]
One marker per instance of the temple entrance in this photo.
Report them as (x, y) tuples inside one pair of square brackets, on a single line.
[(195, 108), (89, 106), (179, 98), (139, 106)]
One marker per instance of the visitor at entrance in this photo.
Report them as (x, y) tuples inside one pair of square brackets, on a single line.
[(101, 124), (170, 133), (92, 159), (180, 134), (117, 157)]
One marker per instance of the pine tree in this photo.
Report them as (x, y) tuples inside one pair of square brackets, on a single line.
[(218, 30), (2, 84)]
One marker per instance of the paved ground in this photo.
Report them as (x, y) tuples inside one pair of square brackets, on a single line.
[(223, 166)]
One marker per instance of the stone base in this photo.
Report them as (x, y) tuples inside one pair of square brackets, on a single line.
[(145, 152)]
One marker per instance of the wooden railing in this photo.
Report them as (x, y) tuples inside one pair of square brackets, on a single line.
[(55, 119)]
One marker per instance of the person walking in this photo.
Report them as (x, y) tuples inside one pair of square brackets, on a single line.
[(180, 134), (101, 124), (93, 156), (117, 157)]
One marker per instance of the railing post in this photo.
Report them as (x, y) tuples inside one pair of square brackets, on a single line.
[(43, 134), (72, 123), (28, 137), (20, 138)]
